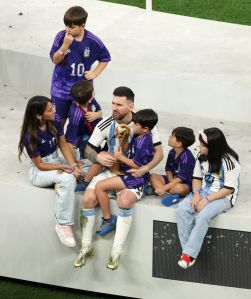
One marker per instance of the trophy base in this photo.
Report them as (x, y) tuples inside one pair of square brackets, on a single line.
[(118, 172)]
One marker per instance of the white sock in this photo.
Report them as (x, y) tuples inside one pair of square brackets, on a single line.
[(87, 229), (123, 226)]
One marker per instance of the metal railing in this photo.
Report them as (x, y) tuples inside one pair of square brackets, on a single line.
[(149, 5)]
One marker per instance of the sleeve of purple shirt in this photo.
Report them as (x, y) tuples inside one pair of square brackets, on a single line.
[(170, 158), (187, 162), (58, 41)]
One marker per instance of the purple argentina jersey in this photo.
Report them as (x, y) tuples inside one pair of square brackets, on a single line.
[(141, 152), (47, 142), (79, 59), (181, 167), (78, 128)]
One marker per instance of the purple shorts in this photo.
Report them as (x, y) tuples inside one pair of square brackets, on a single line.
[(62, 106)]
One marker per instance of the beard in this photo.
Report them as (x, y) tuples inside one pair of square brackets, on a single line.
[(118, 116)]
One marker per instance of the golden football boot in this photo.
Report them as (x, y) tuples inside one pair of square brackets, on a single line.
[(113, 261), (84, 254)]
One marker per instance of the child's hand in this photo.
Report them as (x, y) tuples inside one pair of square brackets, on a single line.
[(68, 39), (118, 154), (201, 204), (77, 172), (160, 191), (195, 201), (91, 116), (90, 75)]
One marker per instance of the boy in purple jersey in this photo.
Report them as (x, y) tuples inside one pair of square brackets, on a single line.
[(141, 152), (179, 168), (42, 135), (73, 52), (84, 114)]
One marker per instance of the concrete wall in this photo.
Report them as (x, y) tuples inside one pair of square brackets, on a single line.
[(30, 249), (165, 93)]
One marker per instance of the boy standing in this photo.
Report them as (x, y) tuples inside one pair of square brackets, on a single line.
[(179, 168), (73, 52)]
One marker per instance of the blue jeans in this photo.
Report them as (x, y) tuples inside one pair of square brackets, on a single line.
[(193, 226), (65, 201)]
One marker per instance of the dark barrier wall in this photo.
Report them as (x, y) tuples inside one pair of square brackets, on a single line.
[(225, 258)]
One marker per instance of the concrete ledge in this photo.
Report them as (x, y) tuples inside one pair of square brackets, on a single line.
[(30, 249)]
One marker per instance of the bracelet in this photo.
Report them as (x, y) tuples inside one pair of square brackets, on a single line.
[(196, 191), (61, 52), (74, 164)]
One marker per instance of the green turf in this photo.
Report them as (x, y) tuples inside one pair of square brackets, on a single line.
[(17, 289), (231, 11)]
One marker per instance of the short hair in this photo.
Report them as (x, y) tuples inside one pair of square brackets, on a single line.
[(82, 92), (75, 15), (123, 91), (147, 118), (184, 135)]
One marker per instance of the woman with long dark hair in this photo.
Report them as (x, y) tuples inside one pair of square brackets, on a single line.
[(215, 189), (41, 136)]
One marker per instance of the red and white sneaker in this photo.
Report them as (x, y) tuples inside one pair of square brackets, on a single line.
[(65, 235), (186, 261)]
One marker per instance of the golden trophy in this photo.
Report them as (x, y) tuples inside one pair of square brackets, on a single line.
[(122, 132)]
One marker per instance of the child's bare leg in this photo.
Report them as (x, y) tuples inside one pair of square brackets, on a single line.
[(94, 169), (102, 188), (181, 189), (157, 181)]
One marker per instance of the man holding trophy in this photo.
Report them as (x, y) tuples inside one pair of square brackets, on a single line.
[(131, 184)]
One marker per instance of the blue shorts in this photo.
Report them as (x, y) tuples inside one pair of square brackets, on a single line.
[(62, 106)]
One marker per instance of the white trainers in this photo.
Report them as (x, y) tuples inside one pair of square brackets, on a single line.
[(65, 235)]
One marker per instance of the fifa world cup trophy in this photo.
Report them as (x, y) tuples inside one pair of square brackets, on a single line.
[(122, 132)]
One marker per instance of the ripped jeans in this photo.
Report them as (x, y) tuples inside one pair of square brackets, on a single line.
[(66, 184)]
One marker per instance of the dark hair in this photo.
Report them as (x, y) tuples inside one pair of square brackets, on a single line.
[(184, 135), (36, 106), (147, 118), (123, 91), (218, 148), (75, 15), (82, 92)]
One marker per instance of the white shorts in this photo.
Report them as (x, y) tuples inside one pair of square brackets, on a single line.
[(138, 192)]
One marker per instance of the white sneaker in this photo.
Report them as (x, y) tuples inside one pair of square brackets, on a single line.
[(65, 235)]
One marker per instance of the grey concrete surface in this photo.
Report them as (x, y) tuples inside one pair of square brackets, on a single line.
[(173, 59), (194, 73)]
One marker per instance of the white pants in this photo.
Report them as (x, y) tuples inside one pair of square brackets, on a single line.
[(66, 184)]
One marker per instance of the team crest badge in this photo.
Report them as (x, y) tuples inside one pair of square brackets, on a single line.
[(87, 52)]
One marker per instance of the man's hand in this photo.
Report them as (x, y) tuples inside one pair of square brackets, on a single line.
[(139, 172), (106, 159)]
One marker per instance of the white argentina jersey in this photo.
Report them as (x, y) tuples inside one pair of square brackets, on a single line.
[(228, 177)]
